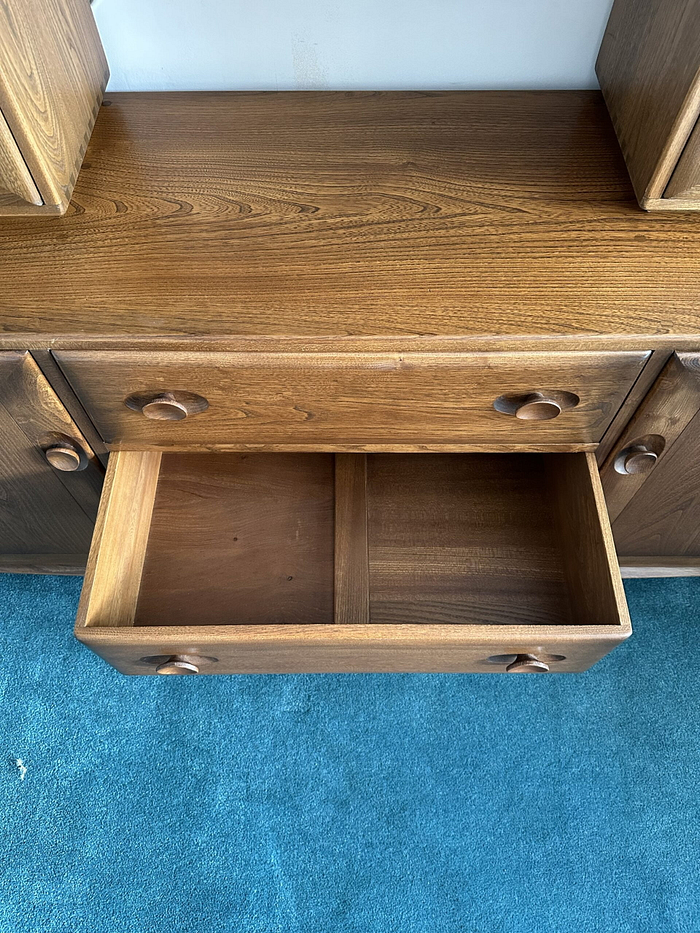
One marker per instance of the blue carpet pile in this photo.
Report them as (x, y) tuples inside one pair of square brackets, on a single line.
[(353, 803)]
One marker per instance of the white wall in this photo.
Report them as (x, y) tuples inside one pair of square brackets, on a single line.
[(357, 44)]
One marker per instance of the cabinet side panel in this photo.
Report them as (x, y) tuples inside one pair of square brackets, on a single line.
[(648, 71), (52, 76)]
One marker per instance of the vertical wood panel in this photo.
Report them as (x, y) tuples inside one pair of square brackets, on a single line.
[(351, 553)]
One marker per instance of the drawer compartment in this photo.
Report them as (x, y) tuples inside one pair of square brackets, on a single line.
[(292, 562), (312, 401)]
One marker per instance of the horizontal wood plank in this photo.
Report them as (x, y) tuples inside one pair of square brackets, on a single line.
[(332, 214)]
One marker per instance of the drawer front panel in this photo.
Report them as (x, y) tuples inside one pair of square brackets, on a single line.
[(297, 399)]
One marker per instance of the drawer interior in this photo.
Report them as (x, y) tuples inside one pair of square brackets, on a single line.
[(382, 539)]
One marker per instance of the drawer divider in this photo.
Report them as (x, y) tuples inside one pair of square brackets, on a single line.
[(351, 548)]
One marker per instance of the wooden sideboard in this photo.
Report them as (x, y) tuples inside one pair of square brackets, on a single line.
[(357, 358)]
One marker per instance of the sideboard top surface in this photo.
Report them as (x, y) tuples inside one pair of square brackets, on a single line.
[(335, 215)]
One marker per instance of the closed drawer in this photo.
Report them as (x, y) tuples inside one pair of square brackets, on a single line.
[(314, 400), (281, 562)]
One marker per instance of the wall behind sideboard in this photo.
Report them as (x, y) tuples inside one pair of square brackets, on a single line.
[(166, 45)]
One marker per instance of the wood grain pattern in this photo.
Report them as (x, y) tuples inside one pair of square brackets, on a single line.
[(649, 72), (652, 368), (59, 384), (585, 540), (240, 539), (318, 649), (351, 541), (667, 410), (685, 182), (29, 399), (44, 514), (15, 177), (115, 564), (333, 398), (396, 215), (662, 518), (473, 539), (66, 564), (52, 75), (632, 568), (191, 558)]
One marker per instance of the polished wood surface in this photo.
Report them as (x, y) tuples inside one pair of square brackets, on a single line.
[(187, 572), (335, 215), (661, 419), (633, 568), (46, 516), (410, 399), (240, 539), (52, 75), (649, 71)]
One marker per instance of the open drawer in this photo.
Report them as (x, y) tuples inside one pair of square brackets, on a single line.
[(292, 562)]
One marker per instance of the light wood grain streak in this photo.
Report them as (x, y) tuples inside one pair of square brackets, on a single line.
[(632, 568), (685, 181), (351, 555), (14, 173), (113, 576)]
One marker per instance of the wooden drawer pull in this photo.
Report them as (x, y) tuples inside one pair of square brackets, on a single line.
[(536, 406), (167, 406), (527, 664), (177, 664), (638, 458), (66, 457)]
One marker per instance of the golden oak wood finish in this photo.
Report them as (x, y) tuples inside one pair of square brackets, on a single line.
[(649, 71), (397, 215), (325, 399), (46, 515), (114, 618), (52, 76)]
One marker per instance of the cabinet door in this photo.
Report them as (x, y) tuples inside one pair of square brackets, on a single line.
[(652, 478), (50, 479)]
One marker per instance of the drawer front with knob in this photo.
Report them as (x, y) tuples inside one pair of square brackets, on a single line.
[(208, 563), (316, 401)]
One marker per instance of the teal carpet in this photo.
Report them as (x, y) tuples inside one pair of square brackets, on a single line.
[(349, 804)]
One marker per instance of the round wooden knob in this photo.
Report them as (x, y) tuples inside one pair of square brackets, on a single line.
[(527, 664), (640, 460), (177, 665), (537, 407), (64, 458), (164, 408)]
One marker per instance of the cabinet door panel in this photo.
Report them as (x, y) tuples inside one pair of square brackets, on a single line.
[(656, 512), (46, 514)]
